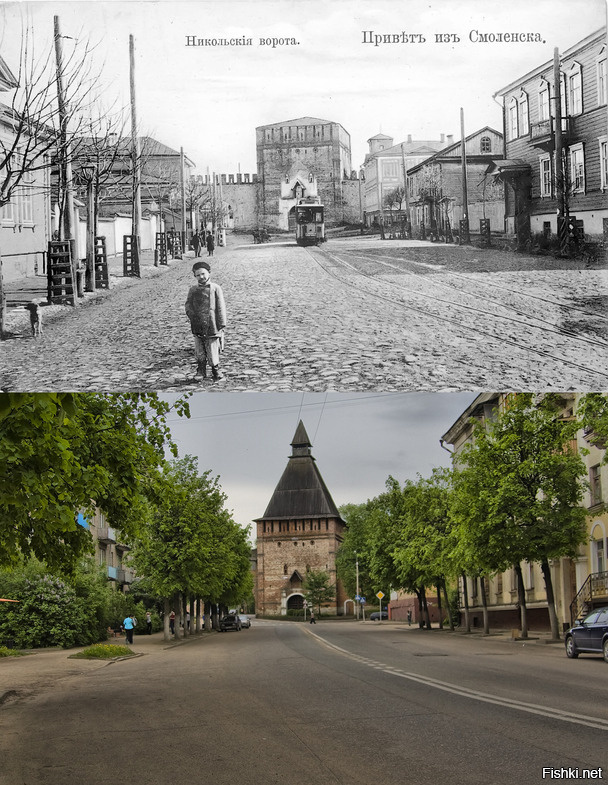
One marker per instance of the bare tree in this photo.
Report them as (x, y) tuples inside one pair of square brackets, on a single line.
[(36, 133)]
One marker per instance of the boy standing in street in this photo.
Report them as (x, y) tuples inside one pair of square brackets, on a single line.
[(207, 313)]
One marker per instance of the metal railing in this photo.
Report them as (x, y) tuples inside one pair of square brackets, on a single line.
[(595, 588)]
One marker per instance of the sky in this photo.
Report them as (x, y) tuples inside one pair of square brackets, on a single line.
[(210, 99), (358, 440)]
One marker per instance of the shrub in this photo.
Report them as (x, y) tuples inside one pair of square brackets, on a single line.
[(4, 652), (103, 651)]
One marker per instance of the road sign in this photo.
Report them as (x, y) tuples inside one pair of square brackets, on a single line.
[(362, 600), (305, 604), (357, 598), (380, 595)]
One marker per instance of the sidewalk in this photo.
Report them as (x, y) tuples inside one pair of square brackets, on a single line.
[(21, 291), (37, 668)]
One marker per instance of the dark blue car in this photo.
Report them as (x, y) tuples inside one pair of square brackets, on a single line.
[(589, 635)]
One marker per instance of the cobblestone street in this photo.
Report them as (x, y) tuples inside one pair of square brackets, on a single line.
[(358, 314)]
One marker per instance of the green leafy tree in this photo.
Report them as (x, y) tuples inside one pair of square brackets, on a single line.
[(61, 454), (593, 414), (317, 588), (519, 490), (354, 550), (190, 545), (423, 550)]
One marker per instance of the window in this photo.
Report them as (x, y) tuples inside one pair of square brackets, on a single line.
[(524, 114), (575, 89), (595, 483), (602, 89), (544, 112), (512, 119), (545, 175), (599, 556), (603, 162), (485, 144), (8, 213), (577, 168), (26, 205)]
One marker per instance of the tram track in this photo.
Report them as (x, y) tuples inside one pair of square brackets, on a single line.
[(467, 318)]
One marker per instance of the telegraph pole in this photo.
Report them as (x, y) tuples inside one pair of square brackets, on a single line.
[(66, 158), (464, 224), (182, 173), (560, 174), (406, 191), (135, 152)]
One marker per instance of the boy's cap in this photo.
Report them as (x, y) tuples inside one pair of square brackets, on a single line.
[(198, 265)]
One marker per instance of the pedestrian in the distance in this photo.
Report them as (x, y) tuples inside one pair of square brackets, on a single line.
[(312, 618), (210, 243), (149, 623), (172, 622), (188, 619), (206, 310), (196, 244), (129, 625), (409, 618)]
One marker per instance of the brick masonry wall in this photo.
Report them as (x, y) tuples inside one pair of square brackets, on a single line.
[(280, 553)]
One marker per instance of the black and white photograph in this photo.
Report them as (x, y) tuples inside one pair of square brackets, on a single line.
[(388, 196), (303, 392)]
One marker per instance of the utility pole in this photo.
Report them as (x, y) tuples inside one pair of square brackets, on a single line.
[(464, 224), (66, 158), (560, 174), (405, 190), (182, 174), (136, 153), (357, 578)]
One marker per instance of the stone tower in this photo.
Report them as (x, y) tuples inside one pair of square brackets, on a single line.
[(302, 157), (300, 531)]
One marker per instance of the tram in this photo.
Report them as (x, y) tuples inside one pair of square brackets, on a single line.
[(310, 225)]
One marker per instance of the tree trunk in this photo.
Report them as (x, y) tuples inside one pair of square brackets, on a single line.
[(2, 303), (179, 616), (420, 610), (425, 606), (521, 599), (465, 594), (167, 613), (484, 605), (447, 605), (550, 600), (439, 608), (198, 615), (185, 616)]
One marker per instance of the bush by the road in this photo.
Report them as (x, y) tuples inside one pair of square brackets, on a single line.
[(104, 651)]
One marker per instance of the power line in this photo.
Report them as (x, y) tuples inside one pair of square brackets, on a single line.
[(291, 407)]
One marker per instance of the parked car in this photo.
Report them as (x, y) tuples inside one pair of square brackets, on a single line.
[(378, 615), (245, 621), (230, 622), (589, 635)]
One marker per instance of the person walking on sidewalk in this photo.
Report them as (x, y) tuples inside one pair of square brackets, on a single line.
[(196, 244), (129, 626), (210, 243), (312, 617), (206, 310)]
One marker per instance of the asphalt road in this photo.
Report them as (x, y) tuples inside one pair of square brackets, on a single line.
[(358, 314), (339, 702)]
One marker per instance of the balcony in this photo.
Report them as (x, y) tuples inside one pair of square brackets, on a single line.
[(542, 133), (112, 573), (106, 535), (125, 576)]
